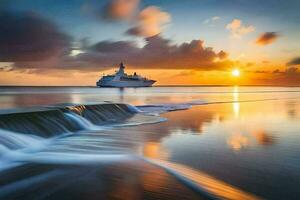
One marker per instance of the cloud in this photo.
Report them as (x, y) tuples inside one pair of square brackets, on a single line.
[(27, 36), (267, 38), (222, 55), (185, 73), (279, 77), (215, 18), (211, 20), (260, 71), (291, 72), (294, 61), (157, 53), (238, 29), (290, 76), (114, 47), (120, 9), (149, 22), (36, 45)]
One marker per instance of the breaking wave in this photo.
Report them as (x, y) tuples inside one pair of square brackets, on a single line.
[(66, 133), (75, 133), (50, 121)]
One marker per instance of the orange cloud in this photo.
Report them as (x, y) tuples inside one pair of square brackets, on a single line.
[(238, 29), (289, 77), (149, 22), (121, 9), (266, 38)]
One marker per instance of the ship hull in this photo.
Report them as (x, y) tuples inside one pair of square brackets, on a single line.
[(122, 84)]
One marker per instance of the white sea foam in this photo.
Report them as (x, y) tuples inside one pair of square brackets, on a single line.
[(81, 147), (82, 122), (11, 140), (156, 109)]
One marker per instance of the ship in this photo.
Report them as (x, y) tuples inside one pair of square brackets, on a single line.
[(120, 79)]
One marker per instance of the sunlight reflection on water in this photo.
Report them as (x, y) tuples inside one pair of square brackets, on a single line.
[(253, 146)]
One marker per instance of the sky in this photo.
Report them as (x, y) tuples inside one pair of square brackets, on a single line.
[(190, 42)]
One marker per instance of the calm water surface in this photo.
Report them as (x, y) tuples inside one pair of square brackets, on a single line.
[(247, 137)]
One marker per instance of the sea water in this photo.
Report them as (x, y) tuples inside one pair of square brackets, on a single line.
[(220, 142)]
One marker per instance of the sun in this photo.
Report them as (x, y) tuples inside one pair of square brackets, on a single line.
[(236, 72)]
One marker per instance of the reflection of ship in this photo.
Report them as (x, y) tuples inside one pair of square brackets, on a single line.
[(121, 79)]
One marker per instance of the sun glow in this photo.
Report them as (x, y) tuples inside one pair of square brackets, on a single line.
[(235, 72)]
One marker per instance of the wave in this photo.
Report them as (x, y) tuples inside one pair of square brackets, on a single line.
[(70, 133), (27, 126), (44, 123), (51, 121), (11, 140), (43, 134)]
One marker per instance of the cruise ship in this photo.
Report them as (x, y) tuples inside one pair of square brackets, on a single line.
[(121, 79)]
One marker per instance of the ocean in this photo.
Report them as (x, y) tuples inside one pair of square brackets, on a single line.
[(150, 143)]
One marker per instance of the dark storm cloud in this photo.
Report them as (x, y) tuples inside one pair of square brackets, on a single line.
[(294, 61), (27, 36), (119, 46), (157, 53), (32, 42), (267, 38)]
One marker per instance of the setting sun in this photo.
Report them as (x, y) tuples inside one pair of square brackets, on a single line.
[(235, 72)]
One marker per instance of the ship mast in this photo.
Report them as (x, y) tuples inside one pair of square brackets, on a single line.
[(121, 68)]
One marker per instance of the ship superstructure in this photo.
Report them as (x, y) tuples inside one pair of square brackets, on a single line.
[(121, 79)]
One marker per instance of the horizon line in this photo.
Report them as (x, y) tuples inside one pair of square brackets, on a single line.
[(175, 85)]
